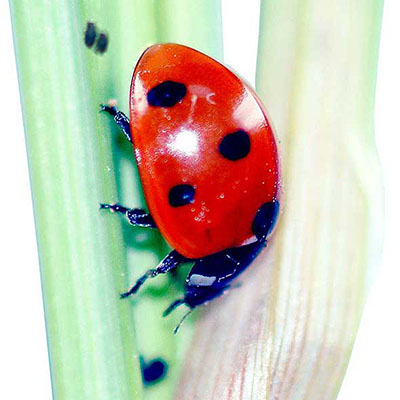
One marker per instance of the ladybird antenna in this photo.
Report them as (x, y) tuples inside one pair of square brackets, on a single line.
[(176, 330), (172, 307)]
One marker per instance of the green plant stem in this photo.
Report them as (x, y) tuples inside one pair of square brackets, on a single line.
[(90, 331), (77, 159), (195, 23), (198, 24)]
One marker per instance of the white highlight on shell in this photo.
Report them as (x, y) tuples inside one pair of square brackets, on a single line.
[(185, 142), (192, 106), (200, 280), (208, 98)]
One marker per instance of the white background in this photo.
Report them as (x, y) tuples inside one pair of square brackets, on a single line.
[(374, 368)]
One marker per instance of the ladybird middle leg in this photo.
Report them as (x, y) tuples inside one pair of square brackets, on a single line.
[(136, 216), (120, 118)]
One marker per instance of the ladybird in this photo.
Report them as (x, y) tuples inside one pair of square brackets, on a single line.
[(208, 164)]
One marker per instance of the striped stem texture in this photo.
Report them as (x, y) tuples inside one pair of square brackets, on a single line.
[(77, 159), (288, 331)]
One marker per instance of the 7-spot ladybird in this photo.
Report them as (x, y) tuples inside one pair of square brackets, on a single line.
[(208, 164)]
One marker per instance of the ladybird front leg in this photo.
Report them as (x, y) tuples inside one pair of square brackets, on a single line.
[(136, 216), (171, 261), (120, 118)]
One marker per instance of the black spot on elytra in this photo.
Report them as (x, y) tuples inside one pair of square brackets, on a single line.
[(102, 43), (265, 219), (181, 195), (166, 94), (235, 146), (90, 34), (153, 371)]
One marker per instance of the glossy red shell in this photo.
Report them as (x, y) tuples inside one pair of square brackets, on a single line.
[(179, 145)]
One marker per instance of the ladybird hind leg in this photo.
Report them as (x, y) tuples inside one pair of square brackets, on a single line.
[(120, 118), (212, 276), (171, 261), (135, 216)]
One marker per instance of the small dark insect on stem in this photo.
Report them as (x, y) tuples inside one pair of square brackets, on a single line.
[(91, 37), (102, 43), (90, 34), (153, 371)]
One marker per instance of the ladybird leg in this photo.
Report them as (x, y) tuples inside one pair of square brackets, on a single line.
[(136, 216), (212, 276), (171, 261), (120, 118)]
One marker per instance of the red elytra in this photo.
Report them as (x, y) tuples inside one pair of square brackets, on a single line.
[(179, 145)]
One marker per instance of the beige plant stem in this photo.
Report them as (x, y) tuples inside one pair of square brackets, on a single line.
[(288, 331)]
